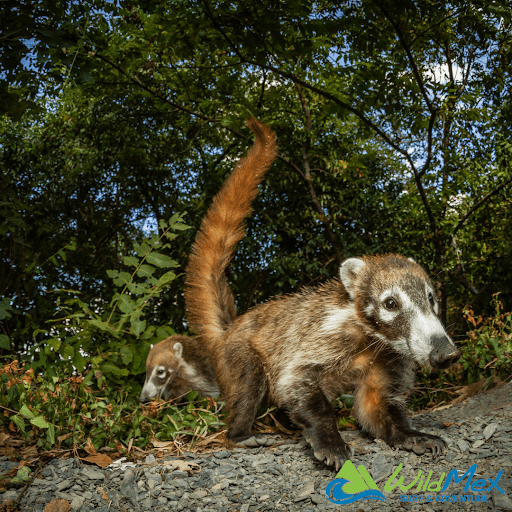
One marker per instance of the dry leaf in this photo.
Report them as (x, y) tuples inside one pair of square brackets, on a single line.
[(162, 444), (120, 447), (89, 447), (7, 506), (3, 437), (100, 459), (64, 437), (58, 505), (283, 429), (183, 465), (30, 451), (105, 496)]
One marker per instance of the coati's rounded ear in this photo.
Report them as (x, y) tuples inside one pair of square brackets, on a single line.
[(412, 259), (178, 349), (349, 271)]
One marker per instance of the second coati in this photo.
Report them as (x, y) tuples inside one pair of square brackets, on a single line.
[(175, 366), (366, 330)]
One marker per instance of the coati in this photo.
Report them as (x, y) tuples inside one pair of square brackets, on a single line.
[(366, 330), (175, 366)]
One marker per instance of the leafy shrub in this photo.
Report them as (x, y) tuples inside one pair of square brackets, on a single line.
[(109, 341), (64, 412), (487, 351)]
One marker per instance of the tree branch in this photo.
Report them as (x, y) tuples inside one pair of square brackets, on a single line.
[(480, 203), (410, 57)]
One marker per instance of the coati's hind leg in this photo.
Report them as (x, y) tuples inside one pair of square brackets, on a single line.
[(384, 415), (247, 386), (315, 415)]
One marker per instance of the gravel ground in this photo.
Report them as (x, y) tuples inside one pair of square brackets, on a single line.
[(286, 477)]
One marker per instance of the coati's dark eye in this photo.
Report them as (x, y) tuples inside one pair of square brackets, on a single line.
[(390, 303), (431, 298), (160, 372)]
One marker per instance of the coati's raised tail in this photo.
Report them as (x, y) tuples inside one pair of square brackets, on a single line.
[(210, 303), (365, 331)]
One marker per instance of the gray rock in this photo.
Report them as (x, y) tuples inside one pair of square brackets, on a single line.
[(490, 430), (77, 502), (150, 459), (93, 474), (501, 500)]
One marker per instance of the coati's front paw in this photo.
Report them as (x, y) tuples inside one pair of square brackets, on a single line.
[(333, 452), (257, 440), (419, 442)]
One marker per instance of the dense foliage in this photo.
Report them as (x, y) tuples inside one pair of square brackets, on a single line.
[(393, 121)]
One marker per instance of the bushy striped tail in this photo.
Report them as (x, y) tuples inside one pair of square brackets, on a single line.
[(208, 296)]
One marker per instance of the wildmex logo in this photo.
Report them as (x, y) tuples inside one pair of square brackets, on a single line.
[(353, 484)]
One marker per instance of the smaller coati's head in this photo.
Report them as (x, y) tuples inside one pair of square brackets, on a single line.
[(396, 304), (162, 365)]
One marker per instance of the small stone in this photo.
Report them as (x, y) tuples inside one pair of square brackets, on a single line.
[(478, 443), (150, 459), (244, 508), (490, 430), (309, 488), (198, 494), (501, 501), (77, 502), (225, 454), (464, 447), (63, 485), (93, 474)]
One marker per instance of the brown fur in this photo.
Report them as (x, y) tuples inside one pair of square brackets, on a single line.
[(365, 331), (184, 365)]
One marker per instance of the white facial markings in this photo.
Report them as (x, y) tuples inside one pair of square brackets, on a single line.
[(152, 387)]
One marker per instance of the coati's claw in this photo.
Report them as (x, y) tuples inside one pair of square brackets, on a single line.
[(258, 440), (332, 455), (419, 442)]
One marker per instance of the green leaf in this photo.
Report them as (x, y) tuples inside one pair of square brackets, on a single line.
[(26, 412), (145, 271), (40, 422), (167, 278), (50, 434), (160, 260), (130, 261), (5, 342), (126, 355), (138, 325), (19, 422), (22, 475), (125, 303), (109, 367)]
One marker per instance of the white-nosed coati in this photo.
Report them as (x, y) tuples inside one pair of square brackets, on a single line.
[(175, 366), (366, 330)]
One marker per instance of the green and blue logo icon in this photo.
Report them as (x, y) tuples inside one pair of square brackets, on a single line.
[(353, 484)]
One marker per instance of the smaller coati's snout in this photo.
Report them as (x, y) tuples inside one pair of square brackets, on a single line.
[(444, 353)]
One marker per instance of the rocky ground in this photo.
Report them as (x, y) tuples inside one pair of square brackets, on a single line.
[(286, 477)]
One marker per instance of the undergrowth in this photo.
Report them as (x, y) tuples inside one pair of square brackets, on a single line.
[(64, 412)]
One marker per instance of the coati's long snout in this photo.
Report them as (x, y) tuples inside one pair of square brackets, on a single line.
[(444, 354)]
